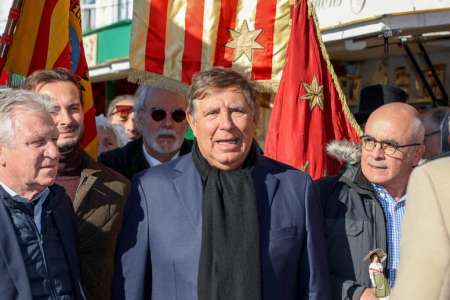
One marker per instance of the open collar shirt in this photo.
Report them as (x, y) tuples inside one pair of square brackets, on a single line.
[(394, 211), (153, 162), (37, 201)]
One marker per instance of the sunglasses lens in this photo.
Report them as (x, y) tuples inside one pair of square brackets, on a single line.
[(179, 115), (158, 115)]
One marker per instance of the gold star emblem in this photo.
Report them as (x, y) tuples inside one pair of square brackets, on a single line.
[(314, 94), (244, 41)]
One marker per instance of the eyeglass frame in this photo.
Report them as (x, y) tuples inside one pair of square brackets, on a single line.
[(385, 144), (152, 110), (432, 133)]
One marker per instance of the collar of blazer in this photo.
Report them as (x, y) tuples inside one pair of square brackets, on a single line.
[(187, 183), (88, 177)]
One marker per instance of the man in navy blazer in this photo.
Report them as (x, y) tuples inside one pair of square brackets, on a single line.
[(223, 222), (38, 249)]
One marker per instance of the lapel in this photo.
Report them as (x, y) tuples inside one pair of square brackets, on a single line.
[(10, 250), (87, 180), (188, 186), (139, 163), (264, 181)]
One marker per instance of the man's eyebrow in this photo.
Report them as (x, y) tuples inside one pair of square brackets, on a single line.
[(391, 142)]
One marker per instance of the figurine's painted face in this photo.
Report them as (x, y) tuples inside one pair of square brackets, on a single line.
[(375, 258)]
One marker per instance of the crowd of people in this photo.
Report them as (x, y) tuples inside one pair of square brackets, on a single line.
[(161, 217)]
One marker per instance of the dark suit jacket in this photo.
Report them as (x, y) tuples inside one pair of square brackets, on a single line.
[(159, 246), (130, 160), (14, 283)]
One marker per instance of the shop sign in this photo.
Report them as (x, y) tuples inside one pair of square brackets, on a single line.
[(90, 49), (335, 13)]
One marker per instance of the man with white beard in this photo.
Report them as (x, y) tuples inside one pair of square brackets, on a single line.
[(161, 119)]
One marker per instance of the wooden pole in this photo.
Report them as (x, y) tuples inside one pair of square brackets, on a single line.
[(8, 33)]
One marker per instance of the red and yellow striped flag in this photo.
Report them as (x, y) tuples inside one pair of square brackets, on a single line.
[(48, 35), (172, 40)]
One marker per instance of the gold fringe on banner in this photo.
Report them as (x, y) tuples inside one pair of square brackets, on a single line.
[(348, 114), (159, 81), (266, 86)]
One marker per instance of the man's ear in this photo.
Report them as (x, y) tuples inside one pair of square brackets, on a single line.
[(418, 154), (191, 121), (2, 156)]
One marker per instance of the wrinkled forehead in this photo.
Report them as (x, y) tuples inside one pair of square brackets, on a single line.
[(168, 100), (33, 123), (386, 129)]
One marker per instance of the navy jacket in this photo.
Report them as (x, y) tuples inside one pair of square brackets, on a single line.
[(14, 283), (130, 159), (159, 245)]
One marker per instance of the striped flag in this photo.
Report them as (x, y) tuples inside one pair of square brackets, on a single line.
[(172, 40), (48, 35)]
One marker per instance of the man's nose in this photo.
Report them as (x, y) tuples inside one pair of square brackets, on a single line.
[(52, 150), (167, 121), (129, 125), (64, 117), (378, 150), (226, 122)]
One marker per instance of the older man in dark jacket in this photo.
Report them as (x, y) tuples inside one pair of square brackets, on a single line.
[(364, 206), (38, 236), (97, 192), (161, 119)]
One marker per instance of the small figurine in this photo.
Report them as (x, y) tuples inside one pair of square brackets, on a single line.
[(379, 281)]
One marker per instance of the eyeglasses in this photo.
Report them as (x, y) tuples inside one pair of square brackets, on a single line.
[(432, 133), (389, 148), (159, 114)]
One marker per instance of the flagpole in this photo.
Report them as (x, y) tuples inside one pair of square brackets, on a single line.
[(6, 37)]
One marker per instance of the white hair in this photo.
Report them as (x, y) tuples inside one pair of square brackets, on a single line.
[(12, 101)]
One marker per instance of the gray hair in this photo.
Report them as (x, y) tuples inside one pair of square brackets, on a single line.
[(418, 130), (14, 100), (220, 78), (143, 94)]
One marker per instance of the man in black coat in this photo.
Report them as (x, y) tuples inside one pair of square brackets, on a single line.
[(161, 118), (364, 205), (38, 237)]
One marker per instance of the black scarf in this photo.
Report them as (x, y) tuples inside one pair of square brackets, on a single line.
[(230, 267)]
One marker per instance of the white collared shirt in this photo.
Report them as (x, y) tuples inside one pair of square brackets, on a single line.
[(39, 198), (153, 162)]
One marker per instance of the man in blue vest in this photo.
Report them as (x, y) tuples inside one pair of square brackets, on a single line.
[(38, 249)]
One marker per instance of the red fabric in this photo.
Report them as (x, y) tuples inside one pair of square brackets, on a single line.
[(3, 77), (298, 135)]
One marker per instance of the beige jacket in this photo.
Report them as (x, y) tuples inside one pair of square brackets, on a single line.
[(424, 272)]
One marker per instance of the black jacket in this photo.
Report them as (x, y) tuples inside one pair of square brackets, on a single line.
[(129, 159), (14, 280), (354, 225)]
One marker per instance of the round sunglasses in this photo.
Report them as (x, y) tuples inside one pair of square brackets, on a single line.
[(159, 114)]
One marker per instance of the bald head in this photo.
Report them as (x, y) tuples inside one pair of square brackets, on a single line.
[(403, 117), (392, 126)]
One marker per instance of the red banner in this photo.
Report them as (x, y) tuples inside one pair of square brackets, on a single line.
[(310, 109)]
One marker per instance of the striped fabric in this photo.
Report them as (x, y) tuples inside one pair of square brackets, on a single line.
[(394, 212), (175, 39), (48, 35)]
